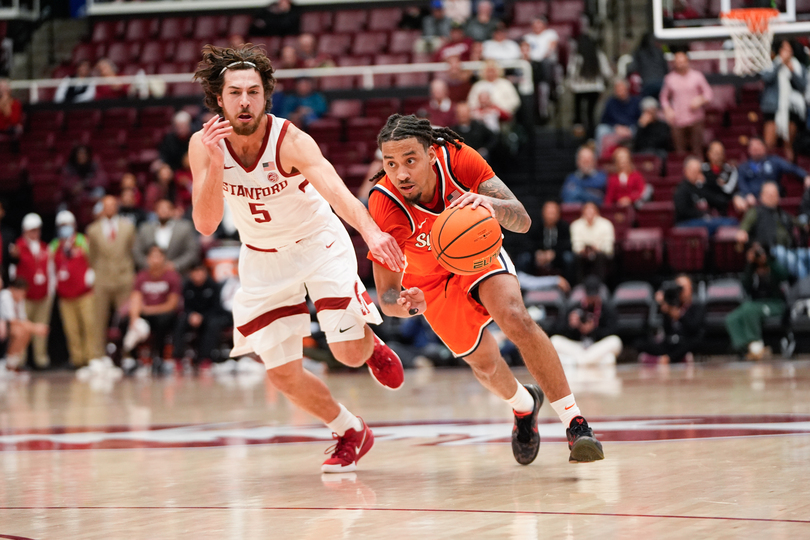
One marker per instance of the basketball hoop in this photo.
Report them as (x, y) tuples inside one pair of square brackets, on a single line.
[(752, 34)]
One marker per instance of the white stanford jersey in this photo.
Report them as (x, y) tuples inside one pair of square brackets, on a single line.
[(271, 208)]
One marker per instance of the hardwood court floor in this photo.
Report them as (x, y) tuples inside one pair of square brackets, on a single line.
[(713, 451)]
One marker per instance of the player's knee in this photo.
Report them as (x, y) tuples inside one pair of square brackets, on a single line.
[(516, 321), (485, 365), (284, 377), (352, 353)]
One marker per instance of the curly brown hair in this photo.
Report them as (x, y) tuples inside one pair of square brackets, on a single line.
[(215, 60)]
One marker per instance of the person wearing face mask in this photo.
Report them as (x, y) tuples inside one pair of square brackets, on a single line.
[(34, 266), (74, 288), (175, 237), (693, 202)]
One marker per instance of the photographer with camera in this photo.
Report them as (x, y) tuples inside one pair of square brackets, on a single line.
[(590, 336), (682, 327), (764, 280)]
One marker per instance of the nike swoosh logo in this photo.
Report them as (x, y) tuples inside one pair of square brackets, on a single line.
[(420, 225), (330, 245), (569, 407), (231, 167), (345, 329)]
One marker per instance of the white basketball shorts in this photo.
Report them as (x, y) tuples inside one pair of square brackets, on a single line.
[(270, 313)]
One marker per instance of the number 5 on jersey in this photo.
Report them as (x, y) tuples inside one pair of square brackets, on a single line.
[(257, 210)]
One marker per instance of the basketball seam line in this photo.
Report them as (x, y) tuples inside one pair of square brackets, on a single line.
[(468, 229)]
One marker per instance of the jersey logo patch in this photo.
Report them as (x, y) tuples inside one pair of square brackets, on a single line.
[(455, 195)]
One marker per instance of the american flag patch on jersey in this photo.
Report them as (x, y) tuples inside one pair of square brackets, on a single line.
[(268, 166), (455, 195)]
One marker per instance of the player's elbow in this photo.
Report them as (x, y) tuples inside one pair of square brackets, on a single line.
[(206, 227), (389, 310), (525, 224)]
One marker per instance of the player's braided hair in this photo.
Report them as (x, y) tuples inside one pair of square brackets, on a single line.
[(217, 60), (399, 127)]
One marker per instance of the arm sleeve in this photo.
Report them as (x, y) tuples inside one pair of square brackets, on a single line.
[(638, 185), (390, 219), (748, 220), (787, 166), (705, 88)]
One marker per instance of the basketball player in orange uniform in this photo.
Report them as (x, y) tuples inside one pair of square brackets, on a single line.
[(279, 188), (426, 170)]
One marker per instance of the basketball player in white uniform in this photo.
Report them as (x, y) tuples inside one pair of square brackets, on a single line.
[(279, 188)]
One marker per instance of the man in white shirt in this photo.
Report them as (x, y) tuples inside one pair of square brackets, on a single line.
[(501, 91), (592, 239), (15, 326), (543, 41), (500, 47)]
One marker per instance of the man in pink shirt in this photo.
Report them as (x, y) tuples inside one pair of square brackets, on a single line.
[(683, 97)]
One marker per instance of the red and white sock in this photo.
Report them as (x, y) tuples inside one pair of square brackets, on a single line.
[(344, 422), (567, 409), (522, 401)]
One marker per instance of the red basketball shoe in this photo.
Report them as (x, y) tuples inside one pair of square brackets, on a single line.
[(385, 366), (348, 450)]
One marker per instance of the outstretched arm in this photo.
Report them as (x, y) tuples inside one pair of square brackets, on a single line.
[(394, 301), (501, 202), (299, 151)]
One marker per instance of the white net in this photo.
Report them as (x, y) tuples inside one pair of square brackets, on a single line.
[(752, 43)]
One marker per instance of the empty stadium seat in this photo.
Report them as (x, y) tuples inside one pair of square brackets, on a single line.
[(176, 28), (634, 302), (104, 31), (549, 306), (686, 248), (121, 52), (382, 107), (363, 128), (316, 22), (334, 44), (384, 18), (405, 80), (570, 211), (350, 21), (562, 11), (271, 44), (142, 29), (729, 254), (722, 297), (239, 25), (402, 41), (664, 188), (156, 117), (209, 26), (526, 12), (155, 52), (82, 119), (120, 118), (621, 217), (369, 42), (338, 82), (44, 121), (648, 165), (642, 252), (345, 108), (355, 174), (350, 153)]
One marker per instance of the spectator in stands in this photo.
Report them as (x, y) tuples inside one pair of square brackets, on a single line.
[(588, 71), (412, 18), (74, 287), (481, 27), (592, 240), (682, 325), (280, 18), (110, 239), (175, 237), (459, 11), (492, 116), (684, 96), (164, 187), (34, 266), (83, 179), (458, 79), (763, 281), (692, 207), (783, 104), (175, 143), (183, 180), (435, 27), (626, 186), (542, 42), (475, 133), (112, 90), (760, 168), (500, 47), (550, 244), (587, 183), (589, 338), (15, 326), (458, 45), (619, 118), (305, 105), (129, 209), (11, 117), (774, 229), (440, 107), (721, 179), (650, 65), (288, 58), (308, 54), (7, 237), (652, 135), (76, 89), (156, 299), (502, 93), (201, 315)]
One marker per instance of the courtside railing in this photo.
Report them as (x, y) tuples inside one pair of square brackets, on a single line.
[(525, 85)]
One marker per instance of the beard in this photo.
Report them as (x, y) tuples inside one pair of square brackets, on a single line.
[(243, 129)]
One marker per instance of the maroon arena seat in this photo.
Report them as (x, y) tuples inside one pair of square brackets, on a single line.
[(104, 31), (154, 52), (369, 42), (382, 107), (316, 22), (384, 19), (525, 12), (187, 51), (120, 52), (664, 188), (87, 51), (686, 248), (570, 212), (44, 121), (648, 165), (120, 118), (271, 44), (642, 252), (334, 44), (390, 59), (338, 82), (565, 11), (404, 80), (239, 25), (186, 89), (729, 254), (656, 215), (364, 129), (156, 117), (326, 130), (350, 20), (402, 41), (176, 28), (413, 104), (364, 60), (355, 175), (348, 153), (621, 217), (346, 108), (82, 119), (209, 26), (142, 29)]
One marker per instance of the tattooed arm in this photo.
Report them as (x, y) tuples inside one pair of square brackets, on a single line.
[(394, 301), (501, 202)]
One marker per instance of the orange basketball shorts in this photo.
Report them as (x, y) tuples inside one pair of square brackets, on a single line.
[(452, 311)]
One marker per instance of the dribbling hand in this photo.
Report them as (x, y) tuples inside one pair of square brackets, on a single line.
[(213, 132), (413, 300), (474, 200)]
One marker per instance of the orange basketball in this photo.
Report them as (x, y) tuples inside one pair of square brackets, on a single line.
[(465, 241)]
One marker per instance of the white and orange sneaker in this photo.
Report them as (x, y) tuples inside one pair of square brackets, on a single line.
[(348, 450), (385, 366)]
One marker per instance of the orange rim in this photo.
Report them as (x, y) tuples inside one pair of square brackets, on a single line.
[(757, 19)]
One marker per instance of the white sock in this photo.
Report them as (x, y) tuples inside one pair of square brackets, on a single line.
[(344, 422), (566, 408), (522, 401)]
